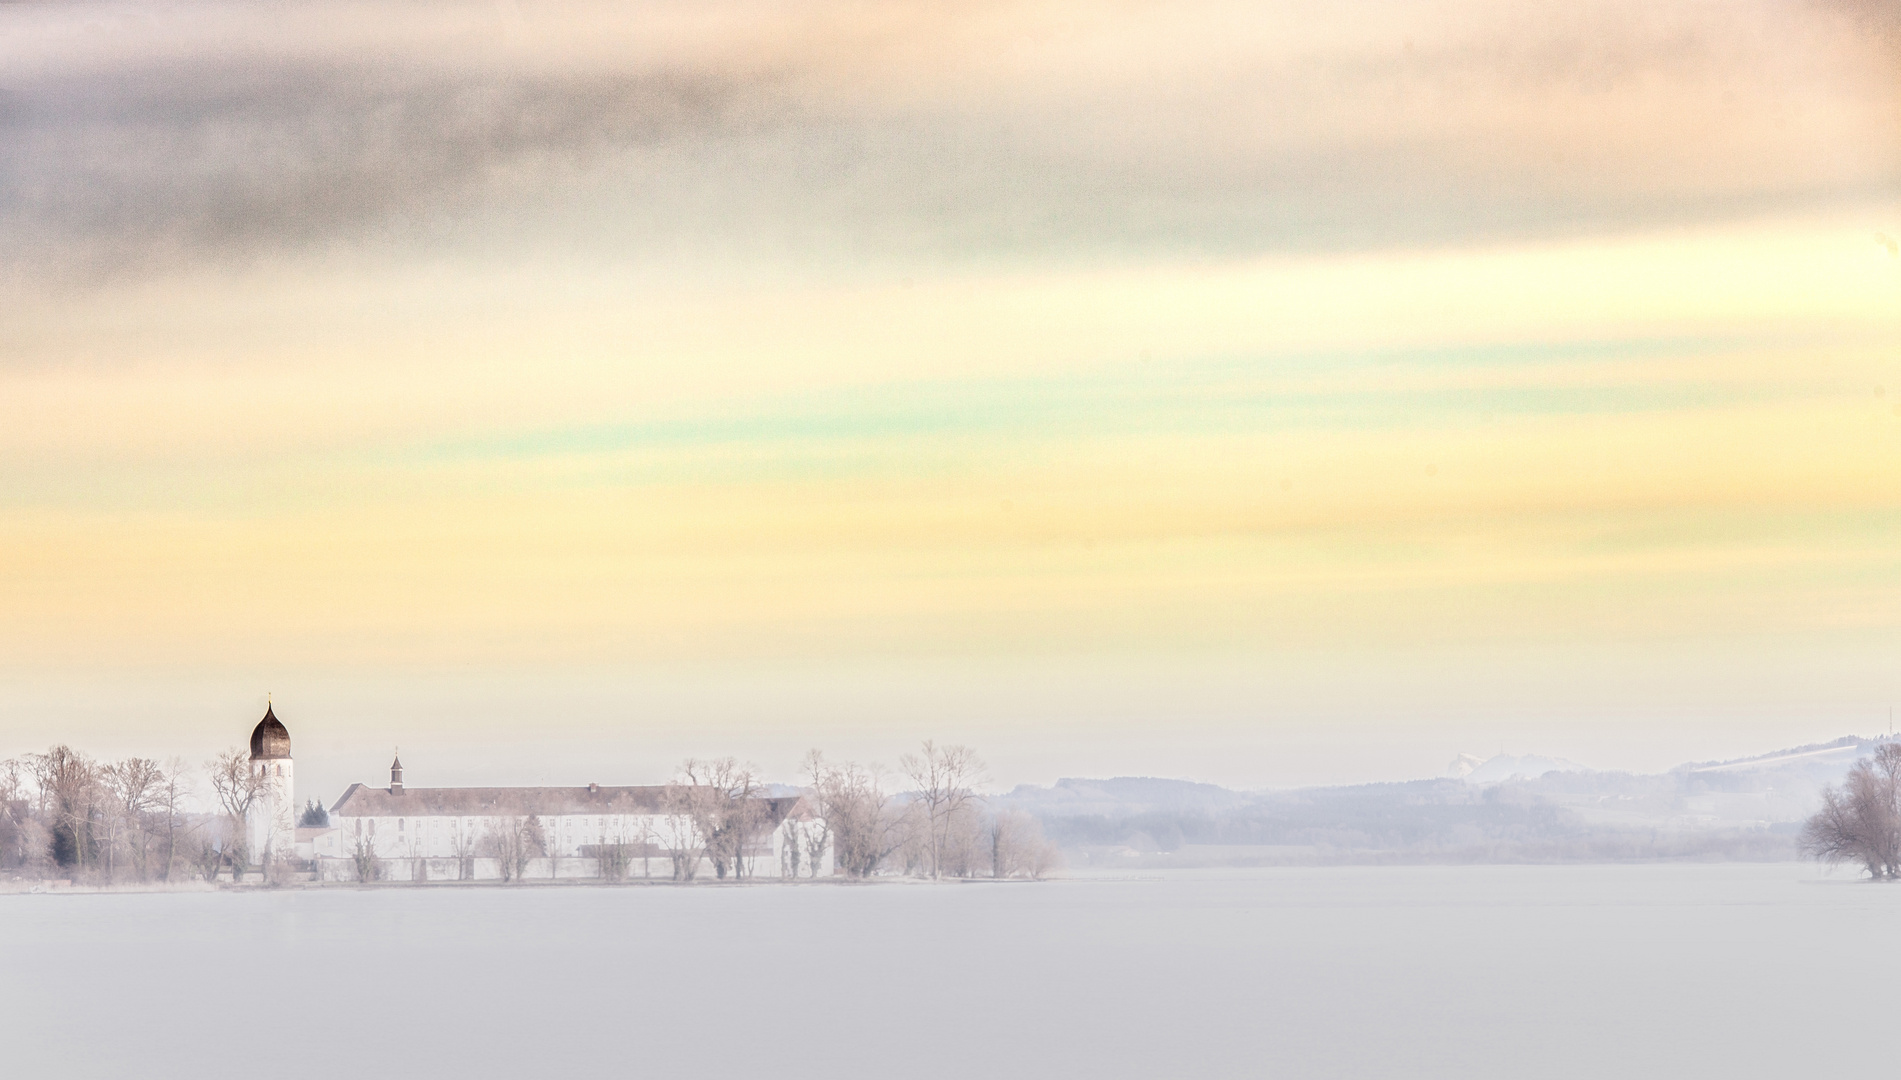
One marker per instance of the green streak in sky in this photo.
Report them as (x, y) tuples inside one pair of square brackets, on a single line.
[(1208, 397)]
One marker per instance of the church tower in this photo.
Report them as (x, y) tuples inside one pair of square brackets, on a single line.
[(271, 824)]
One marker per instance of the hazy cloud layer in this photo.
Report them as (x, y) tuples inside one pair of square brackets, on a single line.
[(142, 137)]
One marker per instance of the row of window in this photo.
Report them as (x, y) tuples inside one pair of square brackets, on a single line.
[(562, 822), (563, 825)]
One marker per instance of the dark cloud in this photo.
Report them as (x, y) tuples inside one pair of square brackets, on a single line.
[(221, 161), (129, 162)]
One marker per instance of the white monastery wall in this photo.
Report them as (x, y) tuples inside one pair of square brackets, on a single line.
[(435, 848), (450, 834)]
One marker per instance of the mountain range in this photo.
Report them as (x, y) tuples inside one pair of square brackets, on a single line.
[(1506, 808)]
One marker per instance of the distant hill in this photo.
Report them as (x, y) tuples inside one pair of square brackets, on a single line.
[(1123, 796), (1506, 767), (1830, 758), (1502, 809)]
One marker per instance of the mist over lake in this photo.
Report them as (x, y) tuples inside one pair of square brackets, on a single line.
[(1473, 971)]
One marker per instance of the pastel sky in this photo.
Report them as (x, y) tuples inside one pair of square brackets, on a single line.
[(1255, 392)]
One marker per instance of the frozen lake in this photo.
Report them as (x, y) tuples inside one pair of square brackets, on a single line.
[(1721, 970)]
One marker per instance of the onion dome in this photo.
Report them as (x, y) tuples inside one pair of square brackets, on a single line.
[(269, 739)]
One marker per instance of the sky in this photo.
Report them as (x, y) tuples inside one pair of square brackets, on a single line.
[(1261, 393)]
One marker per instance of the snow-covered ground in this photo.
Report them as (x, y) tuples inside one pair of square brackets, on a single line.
[(1721, 970)]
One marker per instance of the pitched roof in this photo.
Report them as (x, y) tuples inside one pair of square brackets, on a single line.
[(361, 801)]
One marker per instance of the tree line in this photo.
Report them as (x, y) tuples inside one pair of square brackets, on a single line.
[(64, 814), (929, 820)]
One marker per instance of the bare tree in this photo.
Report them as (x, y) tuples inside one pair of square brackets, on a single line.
[(169, 803), (852, 802), (679, 829), (464, 841), (966, 846), (612, 859), (534, 841), (12, 806), (23, 840), (943, 784), (1018, 848), (815, 830), (514, 841), (1861, 820), (1044, 859), (70, 793), (791, 852), (208, 858), (238, 787), (363, 851), (136, 787), (621, 841), (816, 837), (796, 849), (722, 798), (646, 846)]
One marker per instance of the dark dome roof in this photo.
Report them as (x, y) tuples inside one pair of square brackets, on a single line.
[(268, 738)]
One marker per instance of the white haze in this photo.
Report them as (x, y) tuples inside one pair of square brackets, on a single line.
[(1469, 972)]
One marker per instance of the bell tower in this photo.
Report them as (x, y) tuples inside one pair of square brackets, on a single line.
[(271, 824)]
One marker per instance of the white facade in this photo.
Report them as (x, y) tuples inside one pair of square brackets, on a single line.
[(577, 846), (456, 847), (406, 834), (413, 834), (270, 823)]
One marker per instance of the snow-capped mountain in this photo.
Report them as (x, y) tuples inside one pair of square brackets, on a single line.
[(1502, 767)]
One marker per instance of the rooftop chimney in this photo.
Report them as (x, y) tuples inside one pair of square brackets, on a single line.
[(396, 777)]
